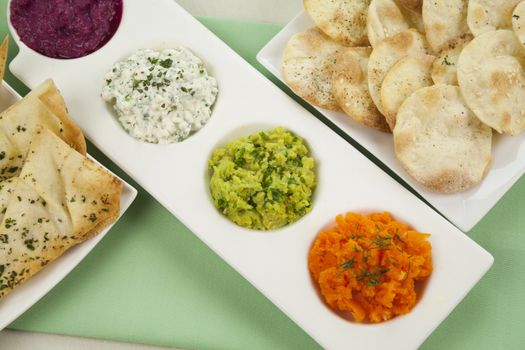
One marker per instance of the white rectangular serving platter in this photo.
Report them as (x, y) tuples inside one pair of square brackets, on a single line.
[(176, 175), (464, 209), (27, 294)]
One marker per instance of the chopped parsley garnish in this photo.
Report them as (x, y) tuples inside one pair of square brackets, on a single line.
[(349, 264), (222, 203), (264, 136), (167, 63), (277, 195), (382, 242), (372, 279), (292, 181), (239, 156), (447, 62), (9, 222), (30, 243)]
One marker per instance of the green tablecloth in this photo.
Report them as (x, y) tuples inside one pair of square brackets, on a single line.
[(152, 281)]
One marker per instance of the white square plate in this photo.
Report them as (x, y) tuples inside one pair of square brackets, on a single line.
[(176, 175), (464, 209), (24, 296)]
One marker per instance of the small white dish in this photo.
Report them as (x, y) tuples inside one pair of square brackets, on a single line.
[(464, 209), (177, 176), (32, 290)]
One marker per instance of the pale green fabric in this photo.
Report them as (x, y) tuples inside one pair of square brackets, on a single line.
[(152, 281)]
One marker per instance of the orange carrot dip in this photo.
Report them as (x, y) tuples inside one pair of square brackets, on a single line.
[(368, 265)]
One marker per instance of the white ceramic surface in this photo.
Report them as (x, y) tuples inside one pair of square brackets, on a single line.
[(24, 296), (176, 175), (464, 209)]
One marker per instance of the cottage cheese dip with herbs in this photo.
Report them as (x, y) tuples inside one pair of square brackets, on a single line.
[(161, 96)]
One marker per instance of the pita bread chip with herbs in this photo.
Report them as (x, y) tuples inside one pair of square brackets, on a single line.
[(308, 65), (408, 75), (444, 21), (492, 80), (488, 15), (440, 142), (60, 199), (21, 122), (342, 20), (384, 20), (350, 88), (387, 53)]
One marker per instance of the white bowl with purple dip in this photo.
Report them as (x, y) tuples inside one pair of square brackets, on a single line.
[(65, 29)]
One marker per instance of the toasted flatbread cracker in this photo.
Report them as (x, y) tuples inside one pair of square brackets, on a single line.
[(488, 15), (492, 80), (444, 69), (4, 47), (384, 20), (308, 65), (440, 142), (518, 22), (50, 96), (22, 122), (342, 20), (444, 21), (350, 88), (387, 53), (60, 199), (411, 73)]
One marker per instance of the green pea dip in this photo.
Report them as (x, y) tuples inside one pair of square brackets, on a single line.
[(264, 181)]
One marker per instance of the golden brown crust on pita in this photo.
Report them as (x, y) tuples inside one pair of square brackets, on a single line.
[(21, 122), (49, 94), (4, 47), (57, 116), (413, 16), (411, 4)]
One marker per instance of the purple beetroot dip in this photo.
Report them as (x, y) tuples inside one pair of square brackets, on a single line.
[(65, 28)]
